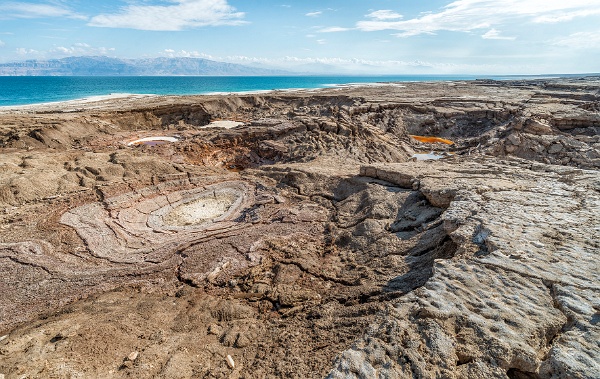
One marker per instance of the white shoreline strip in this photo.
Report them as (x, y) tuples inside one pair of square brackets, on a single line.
[(82, 101), (89, 100)]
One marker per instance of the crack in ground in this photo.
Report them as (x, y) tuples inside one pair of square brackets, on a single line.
[(568, 324), (31, 264)]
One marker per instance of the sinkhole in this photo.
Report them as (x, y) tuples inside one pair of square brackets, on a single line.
[(196, 209), (207, 207)]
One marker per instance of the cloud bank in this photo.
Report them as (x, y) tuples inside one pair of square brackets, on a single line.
[(495, 34), (77, 49), (384, 14), (580, 40), (12, 10), (182, 14), (469, 15)]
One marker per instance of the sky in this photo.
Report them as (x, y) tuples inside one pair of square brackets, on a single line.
[(339, 36)]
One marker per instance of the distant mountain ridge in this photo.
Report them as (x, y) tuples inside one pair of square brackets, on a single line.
[(106, 66)]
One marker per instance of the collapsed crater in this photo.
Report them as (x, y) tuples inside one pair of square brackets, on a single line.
[(133, 226), (205, 207), (198, 211)]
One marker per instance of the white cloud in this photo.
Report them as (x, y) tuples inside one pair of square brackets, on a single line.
[(11, 10), (469, 15), (79, 49), (333, 29), (170, 53), (321, 41), (290, 60), (368, 66), (566, 16), (495, 34), (314, 14), (384, 14), (183, 14), (581, 40), (23, 51), (2, 43), (54, 37)]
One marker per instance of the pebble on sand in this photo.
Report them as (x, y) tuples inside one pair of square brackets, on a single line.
[(133, 356), (230, 362)]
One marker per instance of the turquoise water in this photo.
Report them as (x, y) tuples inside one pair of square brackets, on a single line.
[(20, 90)]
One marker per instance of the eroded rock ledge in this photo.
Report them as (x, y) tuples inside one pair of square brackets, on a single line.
[(505, 304), (305, 242)]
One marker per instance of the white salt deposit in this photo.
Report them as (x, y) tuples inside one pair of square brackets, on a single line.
[(226, 124), (149, 140), (428, 156), (201, 210)]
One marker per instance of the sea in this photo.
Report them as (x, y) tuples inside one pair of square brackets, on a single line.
[(23, 90)]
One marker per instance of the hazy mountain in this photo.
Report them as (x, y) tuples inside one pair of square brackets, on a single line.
[(105, 66)]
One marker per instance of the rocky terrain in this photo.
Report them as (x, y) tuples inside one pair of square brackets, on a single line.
[(309, 241)]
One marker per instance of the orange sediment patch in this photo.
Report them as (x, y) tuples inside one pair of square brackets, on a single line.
[(432, 139)]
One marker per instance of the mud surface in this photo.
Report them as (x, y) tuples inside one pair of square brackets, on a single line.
[(309, 241)]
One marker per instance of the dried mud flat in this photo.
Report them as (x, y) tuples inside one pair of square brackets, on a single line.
[(306, 242)]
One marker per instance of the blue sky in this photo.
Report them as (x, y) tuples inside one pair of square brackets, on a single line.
[(345, 36)]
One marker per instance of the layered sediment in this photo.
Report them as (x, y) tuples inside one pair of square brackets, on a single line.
[(307, 241)]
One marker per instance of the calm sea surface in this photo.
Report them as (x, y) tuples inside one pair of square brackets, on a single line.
[(20, 90)]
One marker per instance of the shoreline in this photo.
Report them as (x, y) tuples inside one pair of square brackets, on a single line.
[(103, 99), (134, 96), (78, 101), (106, 99), (306, 83)]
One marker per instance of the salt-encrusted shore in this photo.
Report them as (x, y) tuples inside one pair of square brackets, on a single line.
[(306, 239)]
